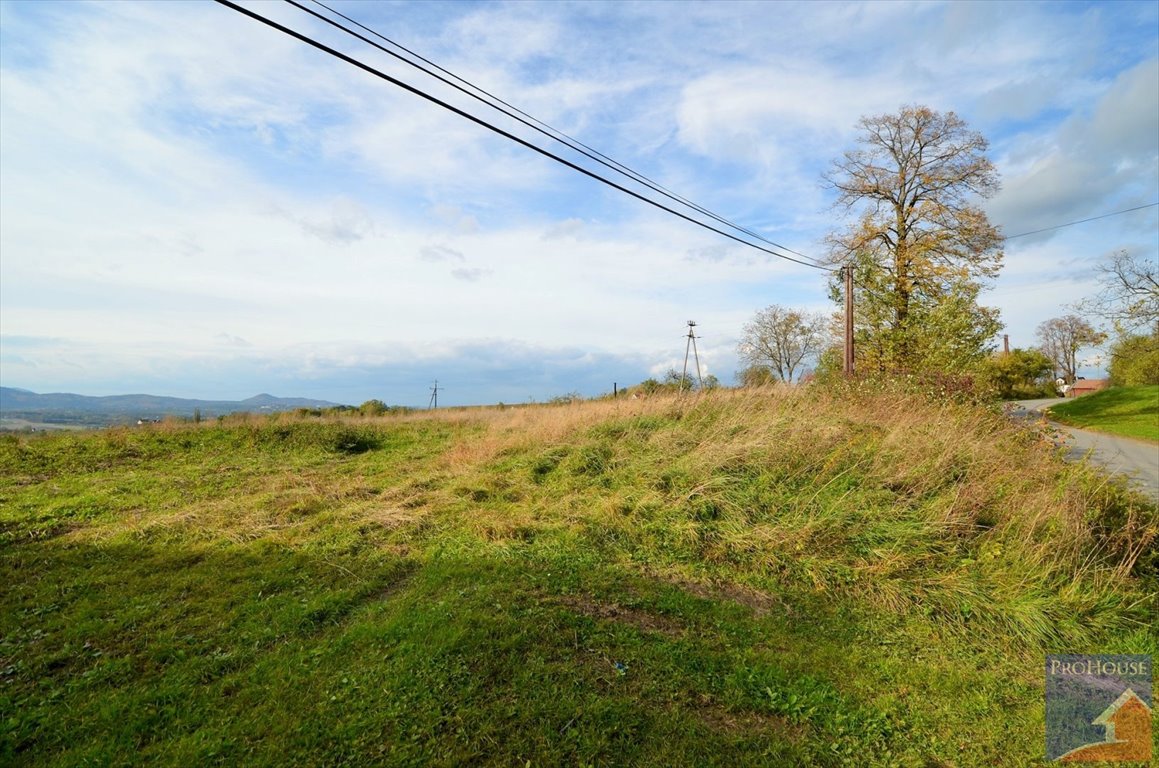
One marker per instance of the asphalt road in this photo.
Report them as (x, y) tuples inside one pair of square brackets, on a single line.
[(1137, 459)]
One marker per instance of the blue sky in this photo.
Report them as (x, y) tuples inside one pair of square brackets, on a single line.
[(193, 204)]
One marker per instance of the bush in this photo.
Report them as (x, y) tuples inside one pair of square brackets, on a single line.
[(1022, 374), (756, 376), (373, 408)]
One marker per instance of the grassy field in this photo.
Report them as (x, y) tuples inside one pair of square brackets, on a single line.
[(748, 578), (1127, 411)]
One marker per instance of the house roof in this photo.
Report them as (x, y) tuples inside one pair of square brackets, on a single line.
[(1109, 713), (1090, 383)]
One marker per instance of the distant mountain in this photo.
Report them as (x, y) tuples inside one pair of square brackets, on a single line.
[(65, 408)]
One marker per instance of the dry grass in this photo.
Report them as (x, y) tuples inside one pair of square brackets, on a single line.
[(907, 503)]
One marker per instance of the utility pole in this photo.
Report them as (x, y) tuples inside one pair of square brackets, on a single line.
[(434, 402), (691, 344), (1006, 343), (848, 274)]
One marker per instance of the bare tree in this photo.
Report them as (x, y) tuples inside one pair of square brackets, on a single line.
[(1129, 296), (782, 339), (916, 233), (1061, 338)]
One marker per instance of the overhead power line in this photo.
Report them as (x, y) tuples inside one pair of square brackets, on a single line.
[(506, 134), (495, 102), (1082, 221)]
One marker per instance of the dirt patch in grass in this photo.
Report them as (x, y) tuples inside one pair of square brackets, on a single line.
[(642, 620), (391, 516), (760, 603), (723, 720)]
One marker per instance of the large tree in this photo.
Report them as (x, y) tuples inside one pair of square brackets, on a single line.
[(917, 237), (1061, 338), (782, 339)]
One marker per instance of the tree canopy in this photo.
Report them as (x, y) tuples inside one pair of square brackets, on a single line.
[(917, 239)]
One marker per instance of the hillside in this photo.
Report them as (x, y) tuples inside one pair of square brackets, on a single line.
[(65, 408), (776, 577), (1126, 411)]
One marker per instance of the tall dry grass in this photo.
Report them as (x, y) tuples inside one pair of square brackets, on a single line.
[(908, 504), (896, 501)]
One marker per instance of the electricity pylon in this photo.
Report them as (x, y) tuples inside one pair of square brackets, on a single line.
[(691, 344)]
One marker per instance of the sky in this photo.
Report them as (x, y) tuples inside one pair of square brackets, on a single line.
[(194, 204)]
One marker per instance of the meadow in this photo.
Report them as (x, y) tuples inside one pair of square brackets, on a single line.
[(752, 577), (1124, 411)]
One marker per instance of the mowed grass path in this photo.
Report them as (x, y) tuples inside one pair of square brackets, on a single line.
[(1127, 411), (769, 578)]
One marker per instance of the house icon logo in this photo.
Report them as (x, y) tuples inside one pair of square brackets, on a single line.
[(1128, 724), (1098, 709)]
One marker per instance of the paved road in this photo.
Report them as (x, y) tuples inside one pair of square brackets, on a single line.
[(1137, 459)]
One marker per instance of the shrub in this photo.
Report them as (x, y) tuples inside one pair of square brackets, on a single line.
[(1022, 374)]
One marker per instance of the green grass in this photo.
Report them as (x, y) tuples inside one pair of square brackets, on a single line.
[(1127, 411), (745, 579)]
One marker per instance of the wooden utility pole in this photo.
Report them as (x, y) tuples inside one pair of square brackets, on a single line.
[(434, 401), (1006, 343), (848, 274)]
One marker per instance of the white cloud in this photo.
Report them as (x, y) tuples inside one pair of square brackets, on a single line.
[(439, 253), (1096, 161)]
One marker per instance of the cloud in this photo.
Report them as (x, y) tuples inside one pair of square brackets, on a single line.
[(470, 274), (568, 228), (347, 223), (1094, 163), (439, 253), (456, 218), (231, 340)]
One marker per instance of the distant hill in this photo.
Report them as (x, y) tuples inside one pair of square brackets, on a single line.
[(66, 408)]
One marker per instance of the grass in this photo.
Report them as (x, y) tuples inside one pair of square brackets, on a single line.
[(1126, 411), (755, 578)]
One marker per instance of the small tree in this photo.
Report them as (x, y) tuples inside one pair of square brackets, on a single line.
[(676, 380), (781, 339), (1060, 340)]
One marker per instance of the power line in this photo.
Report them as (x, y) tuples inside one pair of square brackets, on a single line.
[(523, 142), (1082, 221), (534, 123)]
